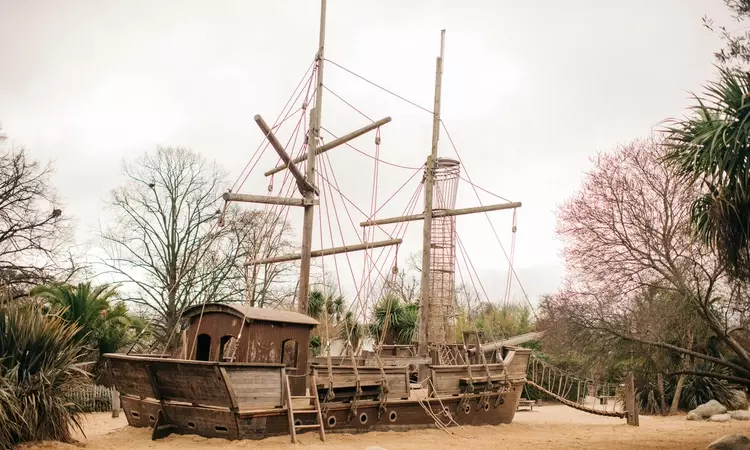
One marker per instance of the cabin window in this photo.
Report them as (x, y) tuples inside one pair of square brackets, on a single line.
[(227, 348), (289, 353), (203, 350)]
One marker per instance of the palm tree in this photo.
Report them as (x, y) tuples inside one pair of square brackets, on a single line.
[(101, 324), (712, 146)]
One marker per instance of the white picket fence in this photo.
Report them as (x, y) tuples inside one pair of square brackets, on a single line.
[(92, 398)]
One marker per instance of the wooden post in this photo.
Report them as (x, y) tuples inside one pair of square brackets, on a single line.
[(304, 185), (312, 144), (442, 213), (630, 404), (115, 403), (326, 252), (426, 297), (333, 144)]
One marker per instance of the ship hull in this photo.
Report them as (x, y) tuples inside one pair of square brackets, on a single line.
[(398, 415)]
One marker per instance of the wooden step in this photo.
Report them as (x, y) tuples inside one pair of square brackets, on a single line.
[(297, 397), (315, 425), (305, 411)]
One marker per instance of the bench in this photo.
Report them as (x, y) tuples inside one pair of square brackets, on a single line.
[(526, 403)]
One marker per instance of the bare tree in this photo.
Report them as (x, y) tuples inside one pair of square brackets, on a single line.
[(161, 240), (258, 234), (34, 235), (628, 230)]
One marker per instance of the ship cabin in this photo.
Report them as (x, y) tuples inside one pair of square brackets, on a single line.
[(227, 333)]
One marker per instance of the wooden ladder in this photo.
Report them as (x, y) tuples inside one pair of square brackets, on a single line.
[(293, 427)]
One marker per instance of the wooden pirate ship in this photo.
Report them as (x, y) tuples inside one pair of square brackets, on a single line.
[(247, 373)]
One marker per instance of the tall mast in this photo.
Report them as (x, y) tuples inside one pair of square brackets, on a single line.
[(312, 144), (426, 298)]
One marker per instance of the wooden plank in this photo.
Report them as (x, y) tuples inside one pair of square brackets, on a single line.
[(205, 422), (230, 391), (289, 410), (302, 183), (256, 388), (267, 199), (316, 402)]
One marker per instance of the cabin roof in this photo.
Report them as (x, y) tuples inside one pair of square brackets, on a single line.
[(252, 313)]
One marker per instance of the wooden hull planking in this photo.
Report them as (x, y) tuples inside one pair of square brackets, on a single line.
[(399, 415), (246, 401)]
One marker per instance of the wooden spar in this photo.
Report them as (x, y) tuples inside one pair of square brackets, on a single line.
[(424, 304), (312, 143), (266, 199), (333, 144), (326, 252), (442, 213), (303, 184)]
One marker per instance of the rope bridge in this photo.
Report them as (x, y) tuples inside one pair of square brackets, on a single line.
[(569, 389)]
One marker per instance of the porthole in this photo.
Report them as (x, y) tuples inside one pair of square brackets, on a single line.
[(135, 414), (487, 406), (221, 429), (297, 423), (392, 416), (501, 400), (363, 418), (152, 418), (467, 409), (191, 425), (331, 421)]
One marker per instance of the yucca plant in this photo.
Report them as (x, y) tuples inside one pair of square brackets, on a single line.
[(38, 367), (9, 414)]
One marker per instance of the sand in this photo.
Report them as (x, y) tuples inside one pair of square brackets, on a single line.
[(547, 427)]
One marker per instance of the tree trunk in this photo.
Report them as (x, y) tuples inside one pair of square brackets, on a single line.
[(630, 401), (676, 399), (662, 399), (674, 408)]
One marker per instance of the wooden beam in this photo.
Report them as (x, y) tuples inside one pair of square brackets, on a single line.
[(326, 252), (302, 183), (333, 144), (442, 213), (266, 199)]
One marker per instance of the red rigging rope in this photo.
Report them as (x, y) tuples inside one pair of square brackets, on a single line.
[(281, 114), (512, 270), (507, 257), (471, 264), (404, 226), (277, 123), (370, 156)]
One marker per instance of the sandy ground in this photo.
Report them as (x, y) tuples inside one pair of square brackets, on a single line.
[(547, 427)]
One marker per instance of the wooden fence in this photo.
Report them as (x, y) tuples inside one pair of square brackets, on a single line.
[(92, 398)]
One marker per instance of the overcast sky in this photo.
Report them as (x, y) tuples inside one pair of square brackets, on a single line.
[(531, 91)]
